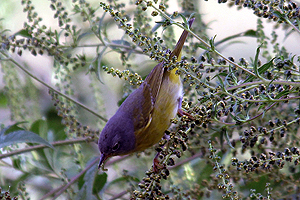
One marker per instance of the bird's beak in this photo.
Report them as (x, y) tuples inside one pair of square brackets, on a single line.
[(103, 157)]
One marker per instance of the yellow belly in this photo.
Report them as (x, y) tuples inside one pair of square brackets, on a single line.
[(165, 109)]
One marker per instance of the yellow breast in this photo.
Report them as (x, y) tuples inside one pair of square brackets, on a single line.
[(165, 109)]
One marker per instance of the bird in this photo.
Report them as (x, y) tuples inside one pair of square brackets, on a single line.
[(141, 120)]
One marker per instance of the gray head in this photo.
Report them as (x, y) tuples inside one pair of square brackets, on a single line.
[(117, 137)]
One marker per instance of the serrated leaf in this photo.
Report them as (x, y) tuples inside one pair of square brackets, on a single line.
[(20, 136)]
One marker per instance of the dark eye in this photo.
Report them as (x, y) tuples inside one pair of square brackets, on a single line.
[(116, 146)]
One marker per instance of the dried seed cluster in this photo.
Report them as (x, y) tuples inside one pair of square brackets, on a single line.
[(5, 195), (268, 161), (167, 149), (70, 121), (133, 78), (225, 184), (278, 11), (42, 40)]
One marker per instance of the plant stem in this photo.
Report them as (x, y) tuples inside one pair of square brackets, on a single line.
[(42, 146)]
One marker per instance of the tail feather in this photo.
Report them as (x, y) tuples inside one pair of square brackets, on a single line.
[(177, 50)]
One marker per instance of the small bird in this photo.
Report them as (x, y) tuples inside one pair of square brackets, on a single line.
[(141, 120)]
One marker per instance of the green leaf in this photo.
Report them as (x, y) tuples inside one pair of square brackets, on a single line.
[(23, 33), (19, 136), (248, 33), (3, 100), (203, 47), (123, 179), (279, 15), (90, 184), (212, 43), (220, 83), (55, 125), (99, 182), (283, 93), (16, 163), (224, 130), (39, 127), (42, 163), (12, 128), (255, 67), (184, 19), (260, 70), (120, 42)]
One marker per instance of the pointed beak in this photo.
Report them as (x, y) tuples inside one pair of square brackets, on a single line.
[(103, 157)]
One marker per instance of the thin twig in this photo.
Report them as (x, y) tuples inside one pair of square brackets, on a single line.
[(58, 191), (293, 83), (42, 146), (118, 196), (74, 179), (197, 155)]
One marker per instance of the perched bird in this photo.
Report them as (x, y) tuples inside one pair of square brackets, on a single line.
[(143, 117)]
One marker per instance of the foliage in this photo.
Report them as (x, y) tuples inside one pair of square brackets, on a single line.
[(242, 144)]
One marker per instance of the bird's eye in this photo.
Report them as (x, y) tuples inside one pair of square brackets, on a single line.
[(116, 146)]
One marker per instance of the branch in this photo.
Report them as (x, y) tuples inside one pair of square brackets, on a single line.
[(41, 146), (58, 191), (73, 180), (197, 155), (118, 196)]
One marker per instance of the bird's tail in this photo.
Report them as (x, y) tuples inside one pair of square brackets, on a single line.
[(177, 50)]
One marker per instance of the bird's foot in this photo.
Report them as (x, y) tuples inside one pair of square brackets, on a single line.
[(157, 166), (182, 113)]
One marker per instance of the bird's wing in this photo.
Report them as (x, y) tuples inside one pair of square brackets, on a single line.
[(151, 86), (150, 89)]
